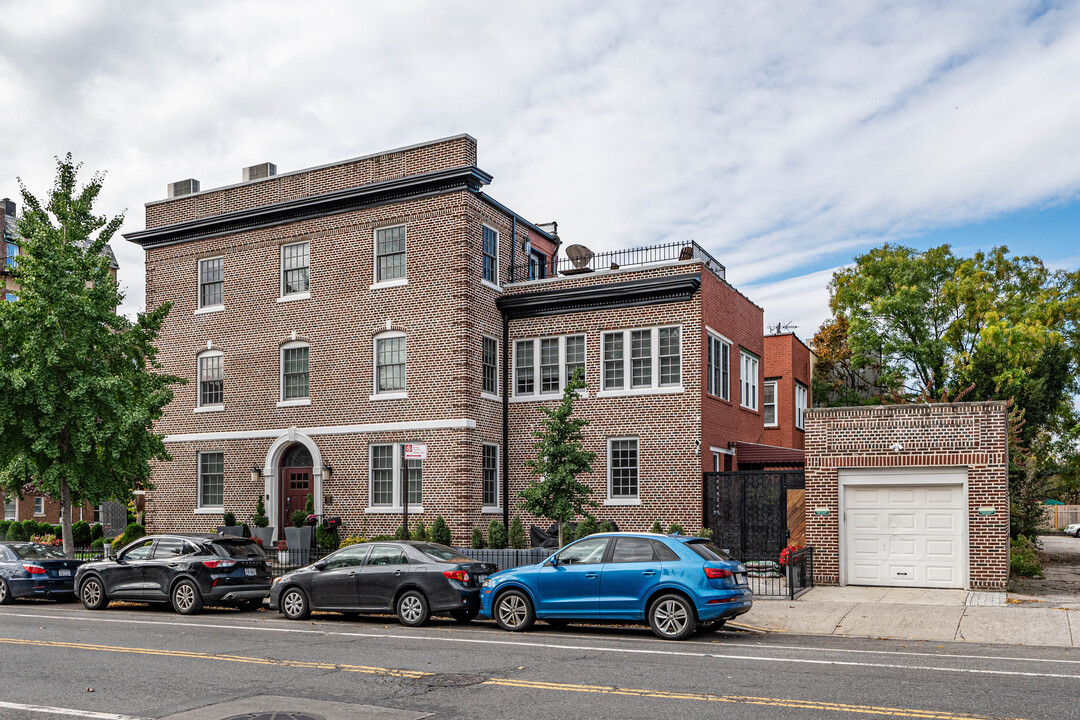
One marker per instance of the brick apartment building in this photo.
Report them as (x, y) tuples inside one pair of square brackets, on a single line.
[(31, 506), (329, 316), (786, 394)]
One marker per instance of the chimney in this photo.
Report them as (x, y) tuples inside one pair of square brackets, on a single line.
[(551, 228), (183, 187), (260, 171), (9, 206)]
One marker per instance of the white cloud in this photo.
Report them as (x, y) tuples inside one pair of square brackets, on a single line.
[(801, 303), (778, 135)]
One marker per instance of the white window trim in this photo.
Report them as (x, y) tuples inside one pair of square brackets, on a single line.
[(775, 402), (498, 370), (396, 282), (711, 335), (497, 507), (387, 394), (498, 240), (396, 507), (203, 309), (199, 407), (636, 500), (306, 295), (801, 406), (744, 356), (654, 387), (292, 402), (536, 395), (41, 500), (199, 507)]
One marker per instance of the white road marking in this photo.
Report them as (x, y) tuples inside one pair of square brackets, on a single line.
[(555, 646), (64, 711)]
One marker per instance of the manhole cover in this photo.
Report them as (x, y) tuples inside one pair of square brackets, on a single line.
[(276, 715), (451, 680)]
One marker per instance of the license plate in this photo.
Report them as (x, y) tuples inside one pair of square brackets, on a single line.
[(249, 571), (741, 579), (480, 579), (64, 573)]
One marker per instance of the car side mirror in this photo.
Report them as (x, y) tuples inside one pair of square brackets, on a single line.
[(321, 565), (553, 560)]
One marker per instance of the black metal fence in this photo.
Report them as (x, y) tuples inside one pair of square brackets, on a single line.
[(535, 269), (508, 558), (771, 578), (747, 510)]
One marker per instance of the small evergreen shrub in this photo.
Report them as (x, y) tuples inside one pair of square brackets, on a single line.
[(420, 533), (132, 532), (1024, 558), (569, 533), (97, 530), (298, 518), (399, 534), (440, 531), (16, 533), (607, 526), (477, 538), (352, 540), (496, 535), (516, 537), (4, 525), (586, 528), (326, 537), (309, 506), (80, 534), (98, 543), (656, 528), (675, 528), (705, 533), (229, 519), (260, 520), (30, 529)]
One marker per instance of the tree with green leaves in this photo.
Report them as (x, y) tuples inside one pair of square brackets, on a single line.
[(82, 391), (560, 458)]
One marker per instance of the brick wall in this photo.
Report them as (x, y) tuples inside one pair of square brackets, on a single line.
[(968, 435), (787, 360)]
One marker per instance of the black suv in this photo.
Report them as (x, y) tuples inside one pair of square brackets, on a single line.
[(186, 571)]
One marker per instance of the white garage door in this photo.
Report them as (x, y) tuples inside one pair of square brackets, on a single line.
[(905, 535)]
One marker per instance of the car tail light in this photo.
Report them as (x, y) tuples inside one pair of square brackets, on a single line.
[(717, 573), (34, 569), (219, 564), (459, 575)]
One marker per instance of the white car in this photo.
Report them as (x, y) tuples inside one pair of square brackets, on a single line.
[(1073, 530)]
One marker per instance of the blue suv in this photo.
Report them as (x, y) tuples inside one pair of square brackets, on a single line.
[(677, 584)]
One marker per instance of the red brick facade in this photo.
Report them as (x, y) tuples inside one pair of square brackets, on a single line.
[(787, 367), (966, 436)]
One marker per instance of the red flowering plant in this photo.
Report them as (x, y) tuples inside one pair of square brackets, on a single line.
[(47, 540), (786, 553), (282, 545)]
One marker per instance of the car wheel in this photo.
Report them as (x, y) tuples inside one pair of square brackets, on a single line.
[(465, 616), (514, 612), (412, 608), (671, 617), (711, 626), (92, 594), (5, 593), (294, 604), (186, 598)]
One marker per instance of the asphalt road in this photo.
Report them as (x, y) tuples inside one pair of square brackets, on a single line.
[(143, 662)]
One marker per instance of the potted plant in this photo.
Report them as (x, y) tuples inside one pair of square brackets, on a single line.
[(230, 527), (260, 524), (299, 535), (283, 552)]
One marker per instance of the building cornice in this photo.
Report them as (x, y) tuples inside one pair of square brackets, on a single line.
[(631, 293), (409, 188)]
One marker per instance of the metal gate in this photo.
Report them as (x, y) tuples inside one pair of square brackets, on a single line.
[(747, 511)]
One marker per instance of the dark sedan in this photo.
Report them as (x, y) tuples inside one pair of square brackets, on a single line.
[(33, 570), (186, 571), (414, 580)]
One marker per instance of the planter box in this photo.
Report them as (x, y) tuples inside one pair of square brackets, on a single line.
[(265, 534), (299, 538)]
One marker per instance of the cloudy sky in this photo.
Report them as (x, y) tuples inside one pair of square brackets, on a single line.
[(784, 137)]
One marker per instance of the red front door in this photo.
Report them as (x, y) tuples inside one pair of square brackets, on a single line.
[(296, 486)]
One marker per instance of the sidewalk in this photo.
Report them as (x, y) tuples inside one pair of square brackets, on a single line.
[(916, 614)]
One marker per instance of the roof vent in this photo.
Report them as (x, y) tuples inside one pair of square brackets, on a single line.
[(260, 171), (9, 207), (183, 187)]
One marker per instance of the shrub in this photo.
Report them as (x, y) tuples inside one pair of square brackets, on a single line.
[(229, 519), (586, 528), (259, 519), (440, 531), (96, 531), (309, 506), (675, 528), (30, 529), (80, 534), (516, 537), (326, 537), (656, 528), (477, 538), (1024, 558), (351, 540), (15, 532), (607, 526), (569, 533), (298, 518), (46, 540), (132, 532), (399, 534), (705, 533), (420, 533), (4, 525), (98, 543), (496, 535)]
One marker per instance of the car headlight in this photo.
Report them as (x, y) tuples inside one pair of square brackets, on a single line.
[(276, 580), (488, 582)]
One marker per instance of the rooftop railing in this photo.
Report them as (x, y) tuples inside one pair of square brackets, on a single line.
[(536, 268)]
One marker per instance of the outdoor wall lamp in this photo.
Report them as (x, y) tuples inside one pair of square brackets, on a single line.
[(328, 470), (256, 473)]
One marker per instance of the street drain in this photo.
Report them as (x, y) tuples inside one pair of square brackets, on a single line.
[(450, 680), (276, 715)]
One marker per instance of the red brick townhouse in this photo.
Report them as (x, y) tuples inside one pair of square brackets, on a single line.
[(330, 316), (786, 393)]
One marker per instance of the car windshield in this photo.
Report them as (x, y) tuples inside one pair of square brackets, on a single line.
[(707, 550), (33, 551), (233, 549), (443, 553)]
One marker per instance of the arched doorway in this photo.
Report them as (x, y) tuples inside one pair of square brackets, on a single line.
[(297, 480)]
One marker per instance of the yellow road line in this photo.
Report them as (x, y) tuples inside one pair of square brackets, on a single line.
[(512, 682)]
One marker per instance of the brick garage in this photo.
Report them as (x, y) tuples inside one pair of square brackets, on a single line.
[(883, 485)]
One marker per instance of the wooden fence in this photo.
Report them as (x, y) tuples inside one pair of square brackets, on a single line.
[(1058, 516)]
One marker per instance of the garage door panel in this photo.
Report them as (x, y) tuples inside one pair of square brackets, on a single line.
[(905, 535)]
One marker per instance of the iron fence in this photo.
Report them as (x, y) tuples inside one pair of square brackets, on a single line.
[(507, 558), (536, 269), (283, 561), (770, 578)]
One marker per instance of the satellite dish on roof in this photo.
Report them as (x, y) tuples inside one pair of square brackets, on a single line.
[(580, 255)]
